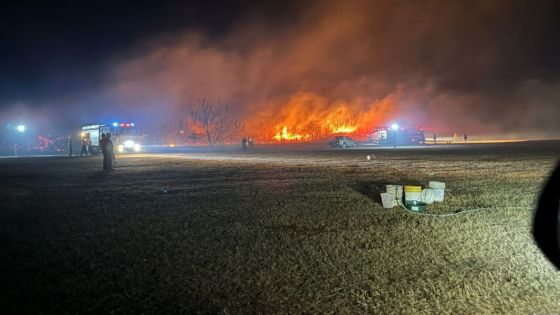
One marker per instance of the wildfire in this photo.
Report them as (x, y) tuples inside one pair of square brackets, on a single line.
[(285, 135), (311, 117), (343, 129)]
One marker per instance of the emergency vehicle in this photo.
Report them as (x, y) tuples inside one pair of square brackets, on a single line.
[(93, 133), (125, 136), (401, 136)]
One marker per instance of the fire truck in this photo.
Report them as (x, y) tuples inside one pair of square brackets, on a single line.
[(93, 133), (401, 136), (125, 136)]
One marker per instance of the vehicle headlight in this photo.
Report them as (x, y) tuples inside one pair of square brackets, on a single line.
[(129, 144), (136, 147), (120, 148)]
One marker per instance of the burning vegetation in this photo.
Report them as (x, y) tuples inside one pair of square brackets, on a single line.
[(343, 67), (309, 117), (306, 117)]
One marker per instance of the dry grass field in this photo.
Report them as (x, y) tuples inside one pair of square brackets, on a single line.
[(276, 231)]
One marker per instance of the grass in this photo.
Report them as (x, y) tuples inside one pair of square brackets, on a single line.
[(272, 231)]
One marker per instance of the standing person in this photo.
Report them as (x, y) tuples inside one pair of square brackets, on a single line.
[(110, 152), (435, 137), (244, 144), (90, 147), (465, 137), (251, 142), (83, 149), (102, 146), (69, 146)]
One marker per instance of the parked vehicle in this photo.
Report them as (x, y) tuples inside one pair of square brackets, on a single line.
[(343, 142), (92, 134), (402, 136), (125, 137)]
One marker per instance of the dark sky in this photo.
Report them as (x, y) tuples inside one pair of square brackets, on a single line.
[(51, 47), (492, 60)]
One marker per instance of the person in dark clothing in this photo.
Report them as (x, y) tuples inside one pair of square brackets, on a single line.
[(244, 144), (69, 146), (546, 220), (103, 147), (110, 152), (83, 149), (435, 138), (465, 137)]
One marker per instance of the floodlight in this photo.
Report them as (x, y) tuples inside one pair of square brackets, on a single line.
[(395, 126), (20, 128), (115, 124)]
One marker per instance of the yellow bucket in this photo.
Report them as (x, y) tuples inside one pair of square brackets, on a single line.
[(412, 193), (412, 189)]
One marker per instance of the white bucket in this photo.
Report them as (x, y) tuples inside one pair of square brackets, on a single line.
[(439, 190), (397, 191), (388, 200), (391, 189), (412, 195), (428, 196)]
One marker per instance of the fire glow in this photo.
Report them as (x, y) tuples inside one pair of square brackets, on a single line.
[(309, 117), (285, 135), (328, 129), (344, 128)]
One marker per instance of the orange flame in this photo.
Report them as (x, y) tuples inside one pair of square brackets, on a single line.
[(285, 135), (344, 129), (310, 117)]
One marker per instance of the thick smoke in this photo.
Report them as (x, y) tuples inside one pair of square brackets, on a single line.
[(449, 66)]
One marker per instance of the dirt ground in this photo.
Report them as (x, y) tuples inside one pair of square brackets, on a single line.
[(276, 230)]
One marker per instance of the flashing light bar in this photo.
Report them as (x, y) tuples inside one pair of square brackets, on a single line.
[(123, 124)]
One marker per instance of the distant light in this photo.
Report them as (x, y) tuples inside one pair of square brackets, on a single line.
[(115, 124), (136, 147), (20, 128), (395, 127), (132, 124), (128, 144)]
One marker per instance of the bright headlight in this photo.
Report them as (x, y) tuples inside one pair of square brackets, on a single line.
[(129, 144), (136, 147), (120, 148)]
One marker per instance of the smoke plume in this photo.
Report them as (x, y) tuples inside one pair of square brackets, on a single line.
[(448, 66)]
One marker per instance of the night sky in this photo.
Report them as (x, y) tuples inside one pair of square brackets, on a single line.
[(53, 47), (491, 66)]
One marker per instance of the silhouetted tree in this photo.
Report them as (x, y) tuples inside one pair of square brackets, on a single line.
[(214, 122)]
